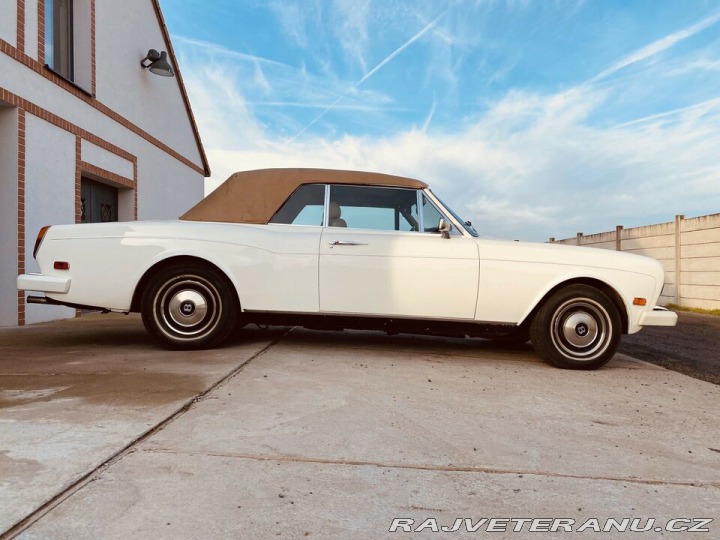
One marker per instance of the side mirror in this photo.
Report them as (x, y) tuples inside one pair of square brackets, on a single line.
[(444, 228)]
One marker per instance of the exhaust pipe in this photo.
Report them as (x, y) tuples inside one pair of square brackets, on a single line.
[(51, 302)]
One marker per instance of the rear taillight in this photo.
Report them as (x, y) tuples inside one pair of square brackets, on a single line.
[(39, 239)]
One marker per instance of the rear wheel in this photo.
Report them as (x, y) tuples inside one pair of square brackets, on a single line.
[(190, 306), (578, 327)]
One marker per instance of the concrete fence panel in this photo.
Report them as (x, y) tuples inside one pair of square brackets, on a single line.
[(689, 250)]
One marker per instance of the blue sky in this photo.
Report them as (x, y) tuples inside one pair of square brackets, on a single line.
[(532, 118)]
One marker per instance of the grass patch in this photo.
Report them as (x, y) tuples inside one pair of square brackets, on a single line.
[(675, 307)]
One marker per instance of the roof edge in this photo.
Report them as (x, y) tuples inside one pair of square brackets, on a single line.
[(324, 176), (183, 91)]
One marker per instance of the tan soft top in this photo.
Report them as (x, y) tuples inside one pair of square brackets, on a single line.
[(255, 196)]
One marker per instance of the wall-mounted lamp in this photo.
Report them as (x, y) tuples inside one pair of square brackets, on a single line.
[(157, 63)]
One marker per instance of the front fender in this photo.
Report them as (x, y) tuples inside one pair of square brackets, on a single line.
[(510, 291)]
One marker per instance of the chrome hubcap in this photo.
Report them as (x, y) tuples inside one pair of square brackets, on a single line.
[(581, 329), (187, 308)]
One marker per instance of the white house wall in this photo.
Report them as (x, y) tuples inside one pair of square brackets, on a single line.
[(93, 154), (8, 21), (8, 214), (38, 90), (167, 199), (152, 102), (49, 195), (31, 28), (135, 133)]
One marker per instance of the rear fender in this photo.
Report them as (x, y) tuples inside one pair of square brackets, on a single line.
[(167, 257)]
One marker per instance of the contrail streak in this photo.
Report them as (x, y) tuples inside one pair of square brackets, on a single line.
[(429, 117), (708, 105), (370, 73), (400, 49), (659, 46)]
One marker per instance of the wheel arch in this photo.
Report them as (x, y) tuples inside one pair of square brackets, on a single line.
[(176, 259), (606, 288)]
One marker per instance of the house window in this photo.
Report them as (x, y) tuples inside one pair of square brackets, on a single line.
[(68, 41), (59, 36)]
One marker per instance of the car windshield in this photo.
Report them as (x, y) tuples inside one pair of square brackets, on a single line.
[(466, 224)]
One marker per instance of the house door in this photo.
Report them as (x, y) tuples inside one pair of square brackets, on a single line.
[(98, 203)]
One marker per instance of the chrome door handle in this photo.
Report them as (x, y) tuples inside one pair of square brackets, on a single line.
[(345, 243)]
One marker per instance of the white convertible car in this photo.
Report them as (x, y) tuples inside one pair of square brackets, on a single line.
[(339, 249)]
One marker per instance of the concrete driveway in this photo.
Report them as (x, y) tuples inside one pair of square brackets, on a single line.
[(333, 435)]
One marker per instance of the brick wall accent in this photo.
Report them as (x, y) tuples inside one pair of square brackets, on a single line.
[(93, 84), (78, 189), (130, 183), (41, 31), (21, 25), (107, 175), (76, 91), (54, 119), (137, 188), (21, 213), (26, 107), (78, 179)]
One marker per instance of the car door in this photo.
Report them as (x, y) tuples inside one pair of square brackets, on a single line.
[(287, 277), (376, 258)]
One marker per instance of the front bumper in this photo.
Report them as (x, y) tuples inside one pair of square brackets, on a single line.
[(658, 317), (43, 283)]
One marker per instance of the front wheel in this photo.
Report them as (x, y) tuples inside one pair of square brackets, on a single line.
[(578, 327), (189, 306)]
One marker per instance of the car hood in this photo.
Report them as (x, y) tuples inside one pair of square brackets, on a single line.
[(562, 254)]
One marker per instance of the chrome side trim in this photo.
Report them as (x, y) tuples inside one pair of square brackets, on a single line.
[(326, 213), (346, 243), (421, 214)]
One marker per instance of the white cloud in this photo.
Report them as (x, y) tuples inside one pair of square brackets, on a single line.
[(547, 176), (272, 84), (351, 29), (531, 166), (259, 78), (291, 16)]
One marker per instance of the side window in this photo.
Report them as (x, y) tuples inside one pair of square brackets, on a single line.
[(304, 207), (431, 216), (377, 208)]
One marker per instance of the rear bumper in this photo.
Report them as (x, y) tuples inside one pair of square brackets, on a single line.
[(658, 317), (43, 283)]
